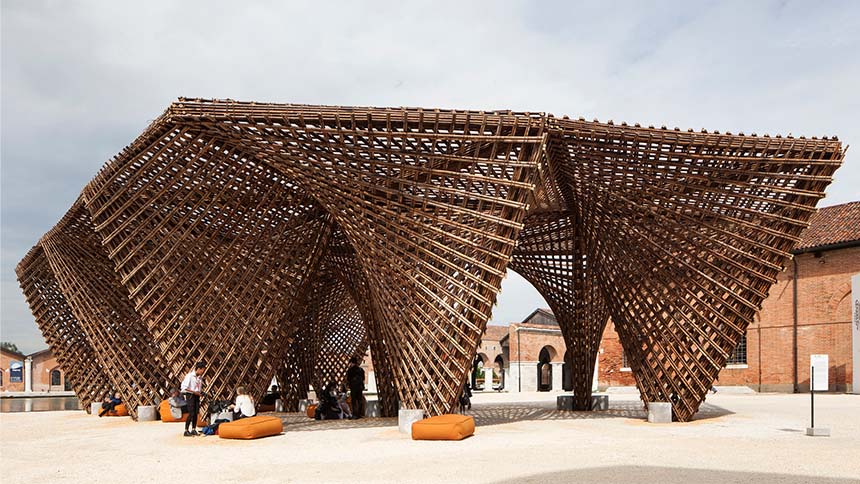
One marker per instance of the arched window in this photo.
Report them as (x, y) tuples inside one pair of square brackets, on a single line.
[(544, 369), (739, 355), (56, 378)]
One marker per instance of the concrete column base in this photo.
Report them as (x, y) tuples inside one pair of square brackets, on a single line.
[(405, 418), (659, 412), (146, 413), (818, 431), (598, 402), (279, 405), (373, 409), (564, 402), (95, 408)]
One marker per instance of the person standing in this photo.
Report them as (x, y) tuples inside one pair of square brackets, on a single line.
[(192, 388), (355, 380)]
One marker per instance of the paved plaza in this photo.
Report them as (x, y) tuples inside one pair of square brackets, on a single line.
[(520, 438)]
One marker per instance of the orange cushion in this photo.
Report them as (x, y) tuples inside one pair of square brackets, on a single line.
[(251, 428), (444, 427), (164, 411), (311, 411), (119, 411)]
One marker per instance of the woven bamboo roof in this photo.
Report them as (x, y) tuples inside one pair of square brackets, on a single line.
[(277, 239)]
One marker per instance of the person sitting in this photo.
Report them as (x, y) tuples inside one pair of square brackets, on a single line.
[(329, 406), (269, 398), (341, 401), (244, 406), (267, 403), (110, 403)]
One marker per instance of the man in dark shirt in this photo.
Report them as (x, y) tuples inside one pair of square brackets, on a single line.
[(355, 380)]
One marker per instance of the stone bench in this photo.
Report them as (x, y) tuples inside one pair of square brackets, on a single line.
[(405, 418), (659, 412), (373, 409), (147, 413), (599, 401), (304, 404)]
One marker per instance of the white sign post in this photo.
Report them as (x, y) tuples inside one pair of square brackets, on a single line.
[(818, 373), (818, 382), (855, 334)]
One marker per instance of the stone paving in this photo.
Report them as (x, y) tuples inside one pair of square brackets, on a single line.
[(519, 438)]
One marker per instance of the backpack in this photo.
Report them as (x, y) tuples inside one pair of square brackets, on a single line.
[(176, 404), (213, 429)]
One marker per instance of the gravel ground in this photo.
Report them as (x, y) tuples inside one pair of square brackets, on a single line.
[(520, 438)]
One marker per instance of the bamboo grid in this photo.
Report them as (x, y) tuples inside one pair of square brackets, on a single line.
[(281, 240)]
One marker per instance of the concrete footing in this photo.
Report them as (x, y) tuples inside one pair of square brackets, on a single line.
[(304, 404), (95, 408), (146, 413), (405, 418), (599, 401), (659, 412), (373, 409), (818, 431)]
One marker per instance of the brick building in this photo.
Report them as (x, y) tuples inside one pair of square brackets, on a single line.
[(807, 312), (12, 366), (39, 372)]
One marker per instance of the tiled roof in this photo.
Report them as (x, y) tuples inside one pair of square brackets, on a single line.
[(832, 225), (495, 333)]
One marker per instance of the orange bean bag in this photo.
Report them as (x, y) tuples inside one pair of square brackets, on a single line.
[(444, 427), (164, 411), (251, 428), (311, 411), (119, 411)]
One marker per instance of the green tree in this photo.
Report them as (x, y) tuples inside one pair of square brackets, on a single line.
[(9, 346)]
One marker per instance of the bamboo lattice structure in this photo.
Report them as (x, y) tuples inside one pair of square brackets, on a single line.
[(281, 240)]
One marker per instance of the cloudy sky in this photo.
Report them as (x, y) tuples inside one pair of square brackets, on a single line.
[(80, 79)]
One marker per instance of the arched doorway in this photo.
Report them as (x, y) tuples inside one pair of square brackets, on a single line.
[(544, 369), (567, 373), (478, 371), (499, 373)]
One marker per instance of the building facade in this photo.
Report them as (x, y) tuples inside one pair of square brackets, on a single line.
[(38, 372), (808, 311)]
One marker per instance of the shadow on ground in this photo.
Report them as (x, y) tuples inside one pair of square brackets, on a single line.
[(669, 475), (501, 413), (299, 422), (487, 414)]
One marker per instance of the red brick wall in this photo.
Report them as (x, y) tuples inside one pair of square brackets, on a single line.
[(43, 364), (532, 339), (610, 358), (824, 326)]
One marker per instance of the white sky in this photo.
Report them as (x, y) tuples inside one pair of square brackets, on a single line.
[(80, 80)]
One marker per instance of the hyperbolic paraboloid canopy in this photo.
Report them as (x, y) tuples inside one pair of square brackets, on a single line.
[(282, 240)]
